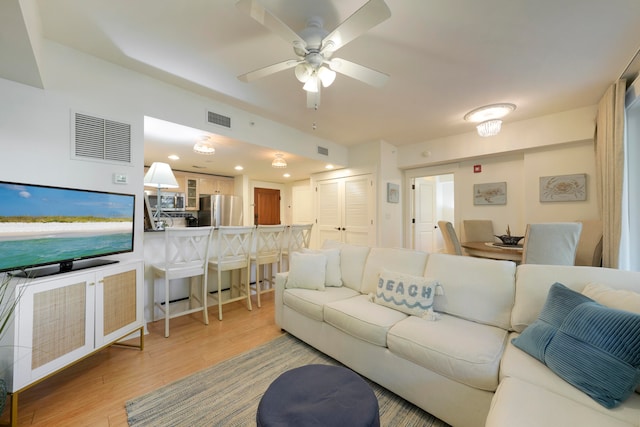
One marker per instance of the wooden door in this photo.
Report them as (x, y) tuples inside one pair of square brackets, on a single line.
[(266, 209)]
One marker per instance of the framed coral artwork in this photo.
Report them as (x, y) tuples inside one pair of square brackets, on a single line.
[(563, 188), (494, 193), (393, 193)]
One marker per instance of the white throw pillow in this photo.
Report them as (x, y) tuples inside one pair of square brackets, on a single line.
[(613, 298), (333, 276), (307, 271), (406, 293)]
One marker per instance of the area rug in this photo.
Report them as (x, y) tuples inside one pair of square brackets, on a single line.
[(227, 394)]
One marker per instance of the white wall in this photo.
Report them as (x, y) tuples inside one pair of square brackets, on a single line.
[(521, 172), (540, 132), (382, 158), (35, 124), (561, 160), (302, 203), (507, 169)]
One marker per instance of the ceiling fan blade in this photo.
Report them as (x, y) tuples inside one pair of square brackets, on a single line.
[(313, 99), (268, 70), (368, 16), (358, 72), (254, 9)]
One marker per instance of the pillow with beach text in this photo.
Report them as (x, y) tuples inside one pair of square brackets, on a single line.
[(409, 294)]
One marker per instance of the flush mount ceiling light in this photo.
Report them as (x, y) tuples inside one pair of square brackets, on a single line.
[(279, 162), (204, 146), (488, 118)]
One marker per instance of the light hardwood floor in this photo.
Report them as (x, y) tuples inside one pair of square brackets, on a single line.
[(94, 391)]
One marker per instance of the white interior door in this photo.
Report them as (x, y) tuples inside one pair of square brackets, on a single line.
[(433, 199), (425, 215)]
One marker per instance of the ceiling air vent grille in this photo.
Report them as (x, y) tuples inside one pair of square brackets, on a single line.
[(101, 139), (218, 119), (323, 150)]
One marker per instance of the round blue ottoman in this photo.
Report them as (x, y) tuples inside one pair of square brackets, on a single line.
[(318, 395)]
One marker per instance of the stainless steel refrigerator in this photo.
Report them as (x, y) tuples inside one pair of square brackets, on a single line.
[(220, 209)]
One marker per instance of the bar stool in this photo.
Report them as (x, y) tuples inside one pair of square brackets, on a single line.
[(298, 237), (186, 255), (233, 251), (268, 251)]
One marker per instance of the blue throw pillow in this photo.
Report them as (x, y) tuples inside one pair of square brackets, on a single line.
[(597, 350), (560, 301)]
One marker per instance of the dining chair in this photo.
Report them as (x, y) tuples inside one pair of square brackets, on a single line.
[(551, 243), (268, 251), (478, 230), (451, 242), (589, 250), (297, 237), (232, 252), (186, 255)]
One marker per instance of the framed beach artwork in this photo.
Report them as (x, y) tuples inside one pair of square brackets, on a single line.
[(393, 193), (494, 193), (563, 188)]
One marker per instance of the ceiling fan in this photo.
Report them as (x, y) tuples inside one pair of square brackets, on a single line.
[(314, 47)]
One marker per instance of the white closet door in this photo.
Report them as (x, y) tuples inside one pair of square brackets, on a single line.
[(358, 218), (345, 210), (329, 210)]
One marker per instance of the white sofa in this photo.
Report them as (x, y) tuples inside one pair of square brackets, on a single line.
[(462, 368)]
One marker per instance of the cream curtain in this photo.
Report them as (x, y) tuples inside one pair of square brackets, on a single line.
[(609, 145)]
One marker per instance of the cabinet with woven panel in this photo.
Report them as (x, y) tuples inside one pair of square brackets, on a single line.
[(61, 319)]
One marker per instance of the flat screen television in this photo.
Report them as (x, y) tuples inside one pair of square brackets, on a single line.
[(46, 230)]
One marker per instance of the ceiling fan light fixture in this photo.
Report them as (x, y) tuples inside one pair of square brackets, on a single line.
[(204, 146), (326, 76), (279, 162), (312, 84), (489, 127), (303, 72)]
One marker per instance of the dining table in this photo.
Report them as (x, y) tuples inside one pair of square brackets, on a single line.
[(493, 250)]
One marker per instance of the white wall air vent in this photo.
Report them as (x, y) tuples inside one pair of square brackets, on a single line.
[(218, 119), (323, 150), (101, 139)]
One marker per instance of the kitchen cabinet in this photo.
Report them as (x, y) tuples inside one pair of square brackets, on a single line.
[(192, 185), (192, 194), (345, 210), (61, 319), (216, 185)]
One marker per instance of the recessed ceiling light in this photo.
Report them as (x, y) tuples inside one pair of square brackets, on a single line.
[(174, 157), (238, 168), (286, 175), (329, 166)]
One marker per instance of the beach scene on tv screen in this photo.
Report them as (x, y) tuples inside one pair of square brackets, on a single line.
[(40, 225)]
